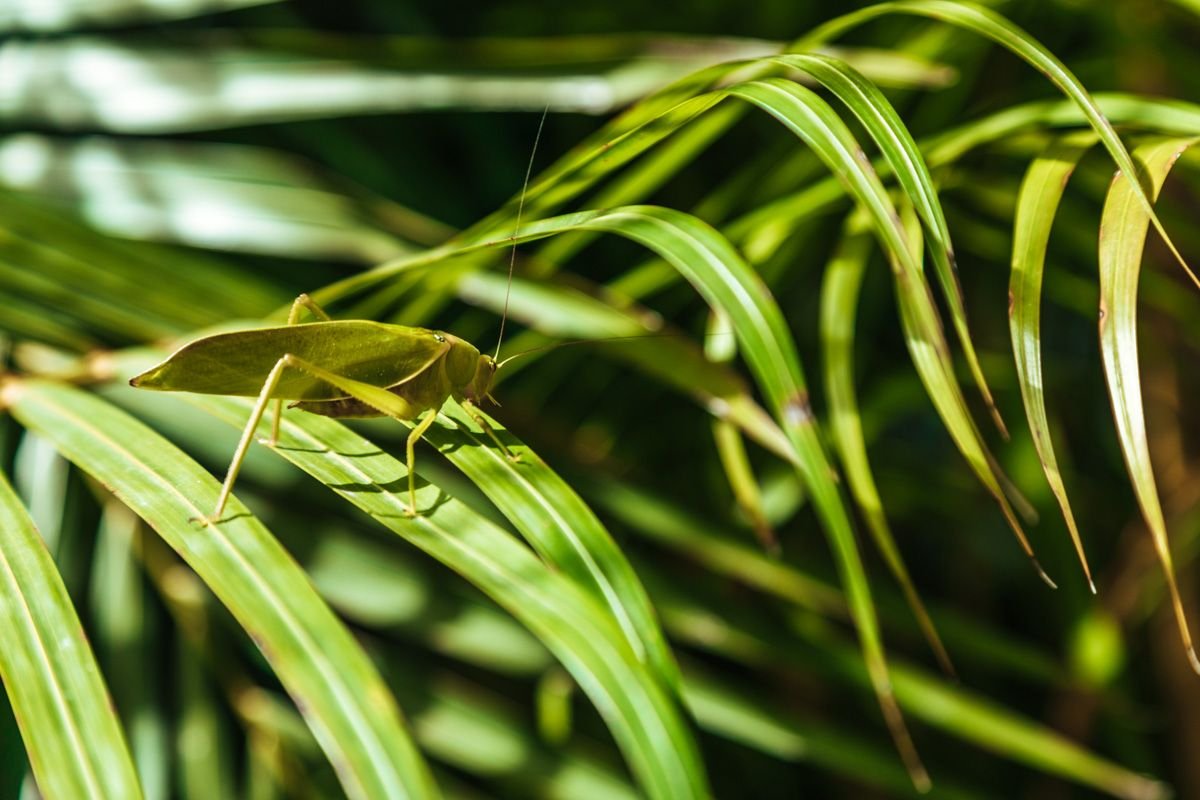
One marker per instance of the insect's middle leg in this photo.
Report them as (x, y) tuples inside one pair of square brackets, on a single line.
[(304, 301), (381, 400), (410, 451)]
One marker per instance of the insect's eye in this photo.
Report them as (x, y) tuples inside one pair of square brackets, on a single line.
[(439, 337)]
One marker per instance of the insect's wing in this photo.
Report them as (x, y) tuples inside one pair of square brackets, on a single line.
[(238, 363)]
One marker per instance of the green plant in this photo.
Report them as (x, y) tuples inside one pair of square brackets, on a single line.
[(616, 558)]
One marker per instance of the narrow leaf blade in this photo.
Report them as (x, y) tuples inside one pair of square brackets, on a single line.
[(71, 732)]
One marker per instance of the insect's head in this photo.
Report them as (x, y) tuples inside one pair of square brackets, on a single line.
[(485, 373)]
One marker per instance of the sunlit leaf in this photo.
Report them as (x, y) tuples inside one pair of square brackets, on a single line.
[(1123, 229), (1036, 205), (72, 735), (344, 701)]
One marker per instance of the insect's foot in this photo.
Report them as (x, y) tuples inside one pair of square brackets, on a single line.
[(269, 441), (411, 512), (514, 458), (205, 521)]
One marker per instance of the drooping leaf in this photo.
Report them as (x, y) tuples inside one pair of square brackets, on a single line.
[(999, 29), (1123, 227), (880, 119), (1036, 205), (839, 309)]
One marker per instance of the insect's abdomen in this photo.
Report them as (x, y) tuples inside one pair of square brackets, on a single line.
[(346, 408), (427, 390)]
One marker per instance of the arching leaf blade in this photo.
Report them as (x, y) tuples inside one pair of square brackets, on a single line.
[(347, 705), (813, 120), (839, 308), (639, 711), (999, 29), (1123, 227), (72, 735), (871, 107), (1037, 202), (727, 283), (561, 527)]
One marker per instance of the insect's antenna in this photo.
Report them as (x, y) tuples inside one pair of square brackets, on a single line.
[(605, 340), (512, 258)]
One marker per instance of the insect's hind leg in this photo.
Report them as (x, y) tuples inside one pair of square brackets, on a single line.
[(473, 412), (383, 401), (239, 455)]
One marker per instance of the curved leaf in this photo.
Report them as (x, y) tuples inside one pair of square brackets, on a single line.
[(347, 705), (884, 125), (727, 283), (813, 120), (71, 731), (561, 527), (1123, 228), (638, 710), (839, 309), (1036, 206), (988, 23)]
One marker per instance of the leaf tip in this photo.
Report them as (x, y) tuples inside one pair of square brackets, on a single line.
[(1042, 573), (922, 782)]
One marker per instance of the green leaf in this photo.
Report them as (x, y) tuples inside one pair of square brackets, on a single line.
[(988, 23), (1037, 203), (813, 120), (839, 310), (1123, 227), (881, 121), (561, 527), (71, 732), (349, 709), (727, 283), (582, 635)]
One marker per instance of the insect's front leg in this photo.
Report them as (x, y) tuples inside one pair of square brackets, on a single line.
[(239, 455), (473, 412)]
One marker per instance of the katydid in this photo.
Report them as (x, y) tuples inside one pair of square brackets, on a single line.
[(352, 368)]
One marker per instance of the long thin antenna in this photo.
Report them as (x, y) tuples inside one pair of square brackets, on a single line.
[(512, 259), (608, 340)]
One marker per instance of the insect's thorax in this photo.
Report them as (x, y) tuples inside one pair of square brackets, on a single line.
[(470, 373)]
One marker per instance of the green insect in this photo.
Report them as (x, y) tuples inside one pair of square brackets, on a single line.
[(350, 368)]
